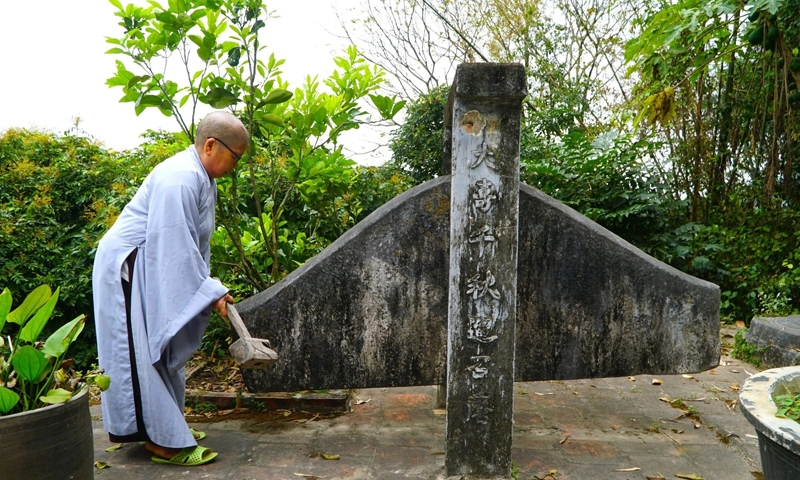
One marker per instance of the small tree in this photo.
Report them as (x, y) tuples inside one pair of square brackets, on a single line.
[(295, 154)]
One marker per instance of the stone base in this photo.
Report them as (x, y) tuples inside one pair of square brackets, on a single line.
[(330, 402), (777, 338)]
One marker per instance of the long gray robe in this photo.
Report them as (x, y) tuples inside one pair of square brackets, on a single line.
[(170, 221)]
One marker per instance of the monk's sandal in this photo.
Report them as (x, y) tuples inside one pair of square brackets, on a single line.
[(188, 457)]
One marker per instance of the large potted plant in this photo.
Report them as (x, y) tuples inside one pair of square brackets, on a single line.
[(45, 425), (770, 400)]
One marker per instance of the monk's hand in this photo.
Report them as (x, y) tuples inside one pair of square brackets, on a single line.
[(221, 305)]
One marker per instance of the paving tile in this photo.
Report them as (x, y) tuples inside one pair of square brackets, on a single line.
[(398, 434)]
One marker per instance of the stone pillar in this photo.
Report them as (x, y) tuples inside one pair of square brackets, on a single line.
[(484, 211)]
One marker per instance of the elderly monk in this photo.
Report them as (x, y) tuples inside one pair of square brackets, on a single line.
[(153, 293)]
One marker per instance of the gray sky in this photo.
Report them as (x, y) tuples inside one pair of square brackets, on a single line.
[(55, 68)]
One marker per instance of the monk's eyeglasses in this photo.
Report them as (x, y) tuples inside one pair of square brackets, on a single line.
[(235, 155)]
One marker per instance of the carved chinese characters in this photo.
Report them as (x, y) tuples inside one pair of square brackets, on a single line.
[(482, 301)]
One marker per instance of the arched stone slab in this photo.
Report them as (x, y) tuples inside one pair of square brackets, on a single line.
[(776, 339), (371, 309)]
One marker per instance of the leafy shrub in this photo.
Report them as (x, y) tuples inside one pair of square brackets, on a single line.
[(606, 179), (58, 196), (417, 144)]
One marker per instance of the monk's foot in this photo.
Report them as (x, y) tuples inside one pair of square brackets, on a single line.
[(162, 452)]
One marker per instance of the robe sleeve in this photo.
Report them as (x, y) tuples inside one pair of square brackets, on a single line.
[(178, 287)]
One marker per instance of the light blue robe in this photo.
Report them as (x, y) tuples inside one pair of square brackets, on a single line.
[(170, 221)]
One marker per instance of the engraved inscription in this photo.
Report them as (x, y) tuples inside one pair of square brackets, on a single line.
[(478, 287), (479, 410), (483, 154), (480, 368), (480, 329), (484, 237), (484, 193)]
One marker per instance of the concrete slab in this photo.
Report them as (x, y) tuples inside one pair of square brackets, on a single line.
[(582, 429)]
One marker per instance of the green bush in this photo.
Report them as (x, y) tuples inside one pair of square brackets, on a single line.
[(605, 178), (58, 196), (53, 196)]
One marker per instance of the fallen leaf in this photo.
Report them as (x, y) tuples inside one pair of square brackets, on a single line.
[(734, 371), (687, 376), (747, 372), (101, 465), (564, 439), (675, 430), (665, 399), (114, 448), (327, 456), (436, 453), (632, 379), (287, 413), (750, 435), (734, 387), (522, 393), (439, 411), (632, 469), (739, 324), (544, 393), (688, 476), (359, 402), (712, 372), (305, 475), (655, 478), (656, 381)]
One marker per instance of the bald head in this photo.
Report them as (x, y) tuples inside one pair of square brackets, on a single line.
[(224, 126)]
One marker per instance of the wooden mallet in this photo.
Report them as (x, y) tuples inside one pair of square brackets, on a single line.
[(249, 352)]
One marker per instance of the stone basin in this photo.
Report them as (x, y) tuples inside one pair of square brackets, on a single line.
[(778, 438)]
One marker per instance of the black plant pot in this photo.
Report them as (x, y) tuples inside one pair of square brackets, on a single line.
[(778, 438), (51, 443)]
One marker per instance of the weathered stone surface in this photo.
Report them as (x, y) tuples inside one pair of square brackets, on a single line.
[(593, 305), (484, 214), (777, 340), (371, 310)]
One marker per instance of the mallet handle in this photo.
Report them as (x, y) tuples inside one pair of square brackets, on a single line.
[(237, 322)]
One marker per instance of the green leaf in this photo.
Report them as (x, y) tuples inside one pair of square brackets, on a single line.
[(116, 3), (5, 306), (272, 119), (29, 363), (30, 332), (219, 97), (58, 343), (115, 50), (196, 39), (59, 395), (30, 305), (149, 101), (276, 96), (8, 399)]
